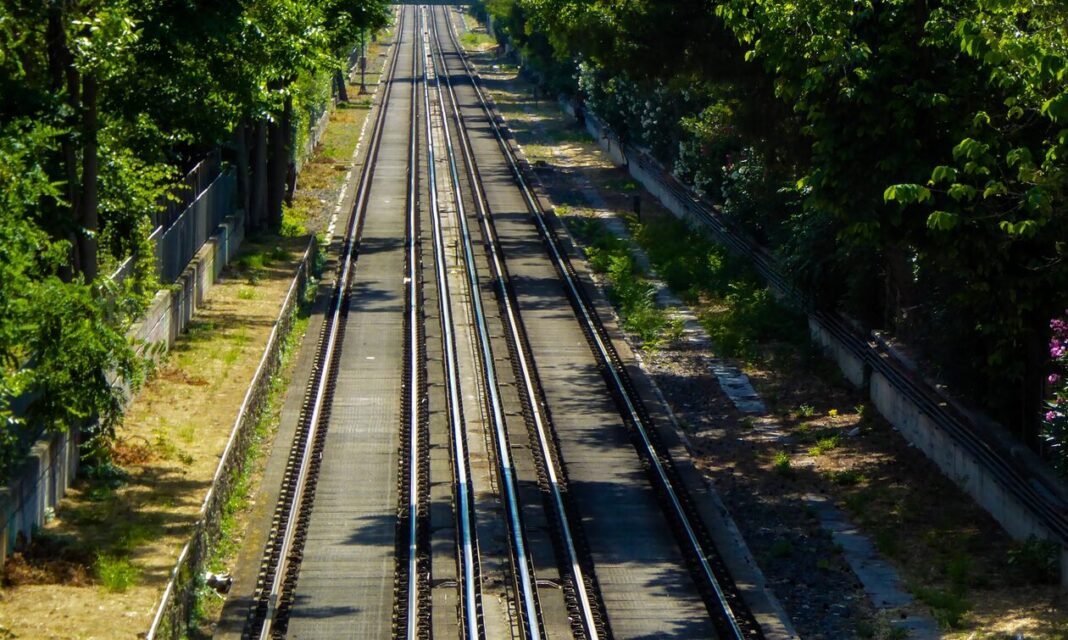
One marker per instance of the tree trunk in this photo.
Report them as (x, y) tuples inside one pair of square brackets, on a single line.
[(276, 173), (900, 290), (1036, 368), (64, 75), (342, 86), (290, 155), (90, 221), (259, 178), (244, 191)]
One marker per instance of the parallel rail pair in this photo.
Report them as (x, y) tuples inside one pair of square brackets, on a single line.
[(270, 613)]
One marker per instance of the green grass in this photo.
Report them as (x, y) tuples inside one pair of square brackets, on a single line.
[(848, 478), (228, 542), (632, 294), (116, 573), (475, 40), (736, 308)]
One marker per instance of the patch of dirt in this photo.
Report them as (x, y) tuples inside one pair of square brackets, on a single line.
[(171, 373), (48, 560), (131, 451)]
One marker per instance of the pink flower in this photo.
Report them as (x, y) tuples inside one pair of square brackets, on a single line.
[(1053, 378), (1051, 416)]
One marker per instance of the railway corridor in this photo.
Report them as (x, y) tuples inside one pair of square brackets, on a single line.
[(472, 458)]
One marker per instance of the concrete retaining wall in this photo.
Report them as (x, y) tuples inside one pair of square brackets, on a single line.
[(952, 456), (37, 487), (29, 499), (173, 307)]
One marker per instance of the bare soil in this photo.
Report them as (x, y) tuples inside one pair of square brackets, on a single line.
[(834, 445)]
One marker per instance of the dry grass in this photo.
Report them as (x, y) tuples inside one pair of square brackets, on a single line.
[(110, 549)]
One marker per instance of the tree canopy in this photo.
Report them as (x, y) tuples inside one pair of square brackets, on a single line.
[(905, 159), (103, 105)]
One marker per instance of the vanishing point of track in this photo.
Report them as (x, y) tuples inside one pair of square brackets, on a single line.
[(447, 477)]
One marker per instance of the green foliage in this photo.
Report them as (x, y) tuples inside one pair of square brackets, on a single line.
[(949, 606), (1036, 560), (629, 291), (906, 161), (102, 106)]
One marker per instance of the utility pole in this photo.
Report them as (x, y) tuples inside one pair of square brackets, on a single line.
[(363, 60)]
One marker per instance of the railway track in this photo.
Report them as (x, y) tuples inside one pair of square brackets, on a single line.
[(724, 602), (269, 614), (485, 534)]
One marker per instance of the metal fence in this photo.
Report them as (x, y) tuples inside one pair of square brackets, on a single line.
[(178, 243), (187, 190)]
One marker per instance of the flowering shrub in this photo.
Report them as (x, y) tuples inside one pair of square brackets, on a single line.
[(1055, 422)]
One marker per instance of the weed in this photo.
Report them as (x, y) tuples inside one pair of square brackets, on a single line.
[(1036, 560), (623, 184), (806, 411), (278, 253), (117, 574), (947, 606), (746, 422), (187, 433), (251, 262), (246, 293), (782, 462), (163, 446), (134, 533), (479, 41), (781, 548), (824, 445), (888, 543), (897, 633), (630, 293), (848, 477), (958, 570)]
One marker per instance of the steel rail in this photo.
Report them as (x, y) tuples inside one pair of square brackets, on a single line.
[(329, 346), (589, 621), (527, 586), (605, 353), (471, 592), (414, 370)]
